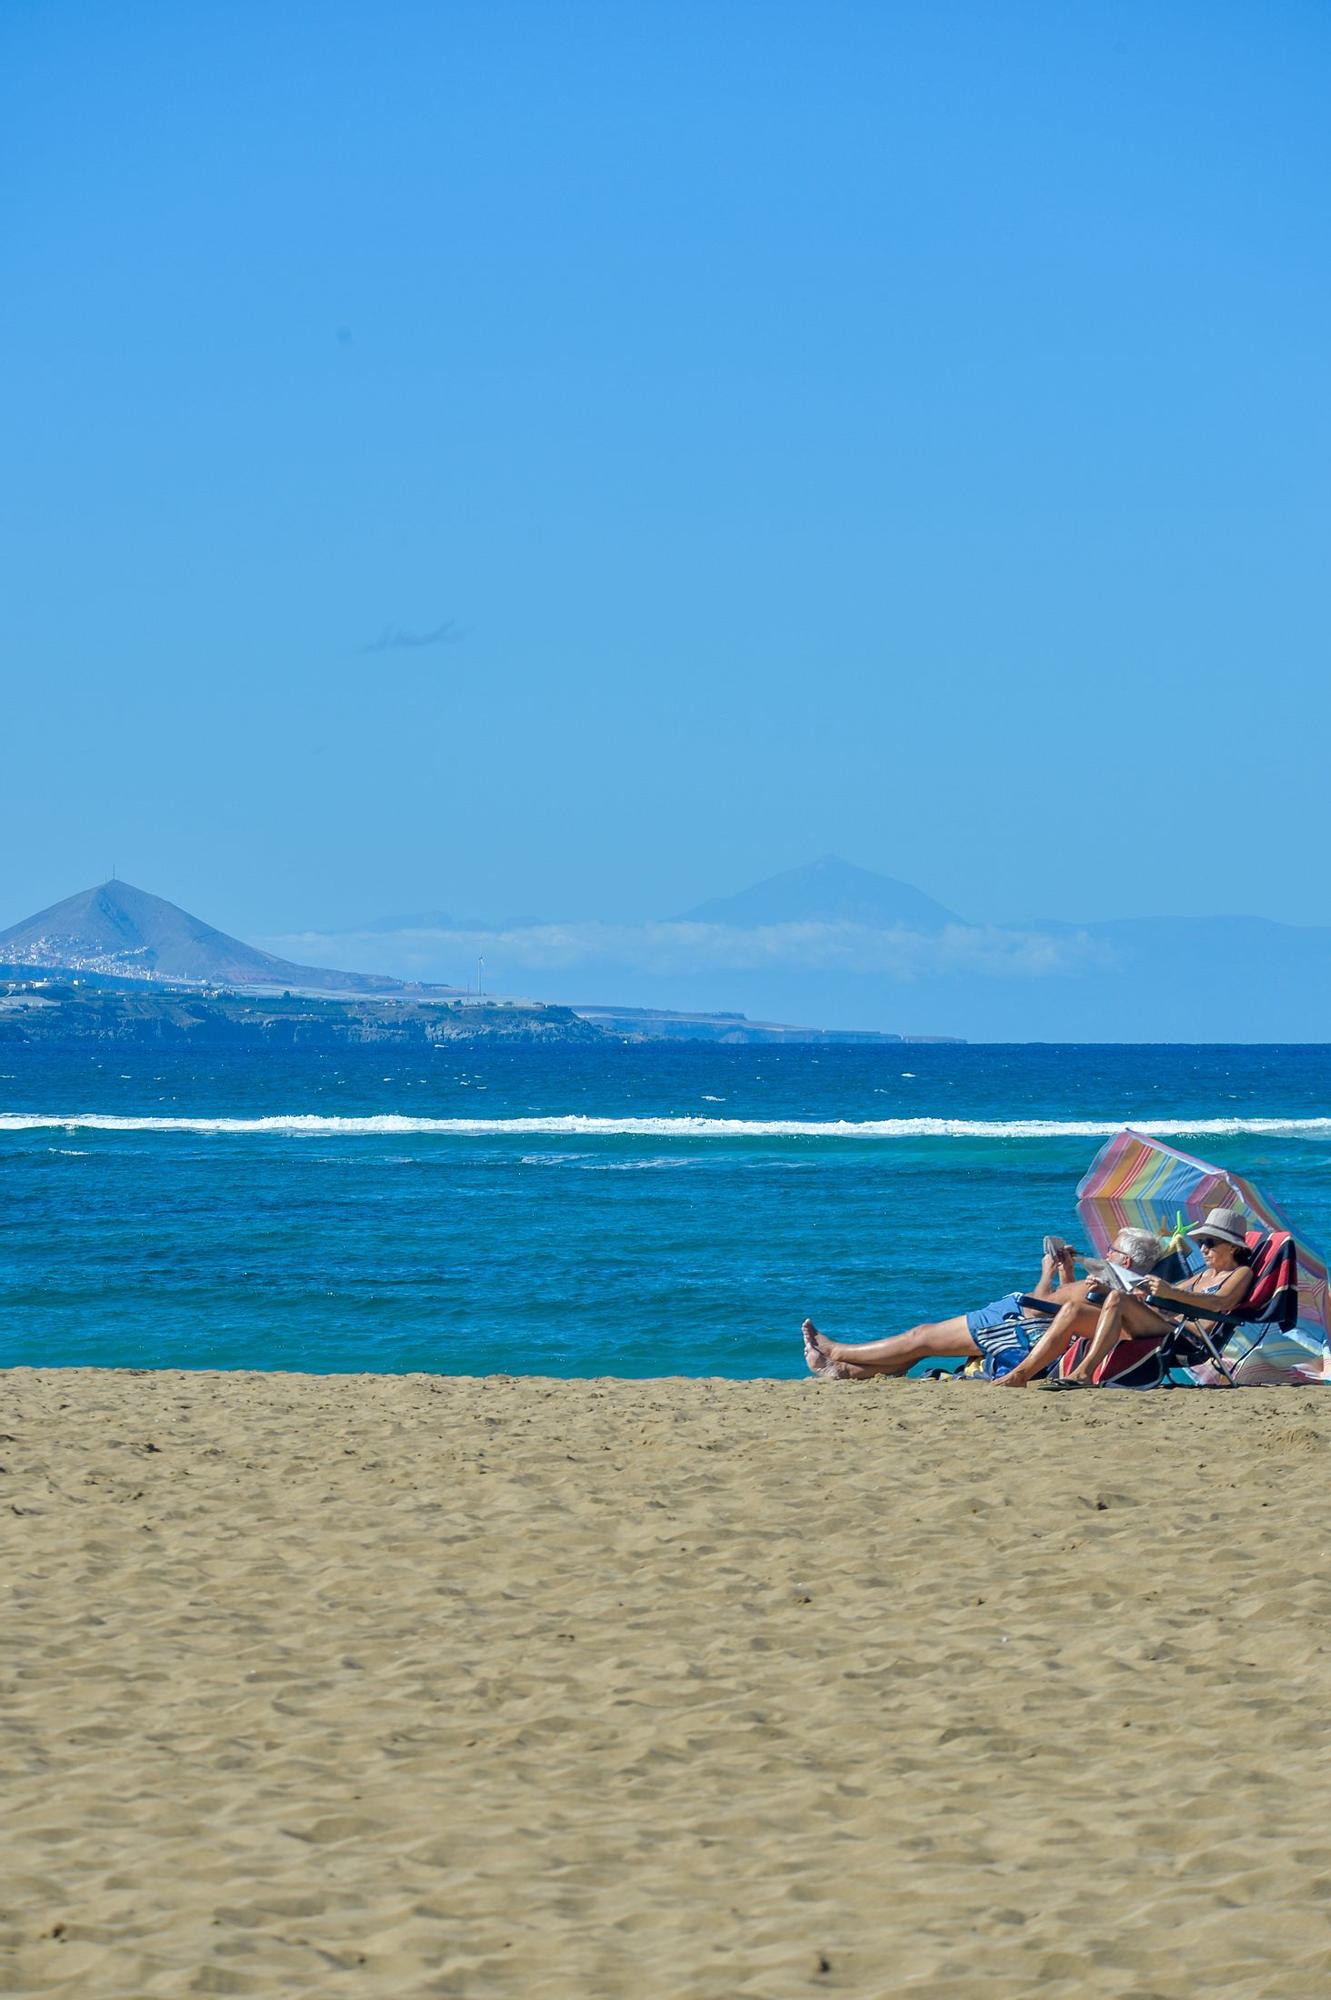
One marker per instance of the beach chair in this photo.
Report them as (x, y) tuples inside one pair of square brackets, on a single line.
[(1199, 1336), (1031, 1316), (1037, 1313)]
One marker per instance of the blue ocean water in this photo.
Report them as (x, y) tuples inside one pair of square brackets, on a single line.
[(619, 1210)]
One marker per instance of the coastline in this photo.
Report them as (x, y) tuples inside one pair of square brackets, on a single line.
[(483, 1685)]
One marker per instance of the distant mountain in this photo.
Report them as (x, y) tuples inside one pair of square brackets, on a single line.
[(1234, 965), (827, 891), (124, 931), (1257, 940)]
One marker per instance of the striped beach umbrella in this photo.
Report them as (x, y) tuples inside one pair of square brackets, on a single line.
[(1138, 1182)]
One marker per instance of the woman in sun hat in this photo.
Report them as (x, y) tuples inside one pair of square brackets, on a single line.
[(1224, 1282)]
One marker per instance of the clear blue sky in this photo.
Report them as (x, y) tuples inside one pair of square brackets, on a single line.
[(899, 430)]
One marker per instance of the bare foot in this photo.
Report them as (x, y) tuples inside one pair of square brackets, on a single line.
[(824, 1359), (817, 1348)]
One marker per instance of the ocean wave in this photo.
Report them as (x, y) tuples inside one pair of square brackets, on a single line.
[(394, 1125)]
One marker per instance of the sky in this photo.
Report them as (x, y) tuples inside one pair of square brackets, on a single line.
[(570, 461)]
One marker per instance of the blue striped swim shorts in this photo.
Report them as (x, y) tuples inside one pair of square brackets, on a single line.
[(999, 1335)]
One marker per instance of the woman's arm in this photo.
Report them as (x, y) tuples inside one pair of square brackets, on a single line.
[(1231, 1292)]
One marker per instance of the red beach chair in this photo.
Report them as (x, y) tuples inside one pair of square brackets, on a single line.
[(1199, 1334)]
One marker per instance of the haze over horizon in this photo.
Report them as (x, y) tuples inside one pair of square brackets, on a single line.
[(832, 945), (829, 946), (576, 462)]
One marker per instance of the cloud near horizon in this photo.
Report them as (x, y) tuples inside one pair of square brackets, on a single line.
[(900, 954), (394, 639)]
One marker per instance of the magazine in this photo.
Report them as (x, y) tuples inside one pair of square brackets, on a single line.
[(1116, 1276)]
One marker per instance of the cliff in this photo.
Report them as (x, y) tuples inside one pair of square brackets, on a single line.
[(53, 1011)]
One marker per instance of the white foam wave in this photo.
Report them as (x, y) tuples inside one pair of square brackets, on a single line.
[(392, 1125)]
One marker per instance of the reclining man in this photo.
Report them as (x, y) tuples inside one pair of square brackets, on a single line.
[(992, 1333)]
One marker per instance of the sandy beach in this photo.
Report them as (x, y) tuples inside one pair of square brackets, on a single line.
[(377, 1685)]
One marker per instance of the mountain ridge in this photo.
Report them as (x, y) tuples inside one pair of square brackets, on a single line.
[(117, 929), (830, 942), (828, 890)]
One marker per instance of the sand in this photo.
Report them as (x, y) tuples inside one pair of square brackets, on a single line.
[(398, 1686)]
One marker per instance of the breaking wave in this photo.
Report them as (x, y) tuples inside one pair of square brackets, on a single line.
[(391, 1125)]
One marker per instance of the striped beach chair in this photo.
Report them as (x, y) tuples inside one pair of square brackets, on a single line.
[(1198, 1338)]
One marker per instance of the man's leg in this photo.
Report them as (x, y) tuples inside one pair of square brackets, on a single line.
[(1069, 1323), (946, 1339)]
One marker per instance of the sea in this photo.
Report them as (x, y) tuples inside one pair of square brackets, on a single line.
[(627, 1210)]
